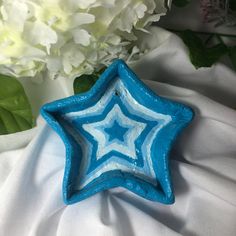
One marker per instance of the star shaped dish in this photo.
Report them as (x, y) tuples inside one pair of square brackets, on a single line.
[(118, 134)]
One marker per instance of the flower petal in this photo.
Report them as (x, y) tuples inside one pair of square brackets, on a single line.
[(39, 33), (82, 18), (81, 36)]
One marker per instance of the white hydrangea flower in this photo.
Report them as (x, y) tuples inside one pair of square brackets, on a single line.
[(71, 37)]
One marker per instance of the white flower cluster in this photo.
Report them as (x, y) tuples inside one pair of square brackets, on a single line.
[(70, 37)]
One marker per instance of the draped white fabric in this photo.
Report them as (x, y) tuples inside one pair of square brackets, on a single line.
[(203, 161)]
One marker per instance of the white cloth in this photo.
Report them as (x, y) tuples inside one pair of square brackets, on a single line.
[(203, 162)]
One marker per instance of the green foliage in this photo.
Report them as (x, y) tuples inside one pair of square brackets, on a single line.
[(15, 109), (232, 5), (84, 83), (181, 3), (200, 54), (214, 53), (232, 56)]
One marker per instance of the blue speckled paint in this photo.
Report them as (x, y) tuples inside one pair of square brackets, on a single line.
[(118, 134)]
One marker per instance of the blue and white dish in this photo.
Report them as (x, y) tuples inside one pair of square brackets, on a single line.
[(118, 134)]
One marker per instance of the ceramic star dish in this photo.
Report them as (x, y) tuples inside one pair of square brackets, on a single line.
[(118, 134)]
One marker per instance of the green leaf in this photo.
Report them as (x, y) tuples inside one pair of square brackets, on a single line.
[(15, 110), (200, 55), (181, 3), (84, 83), (232, 5), (196, 48), (232, 56), (214, 53)]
